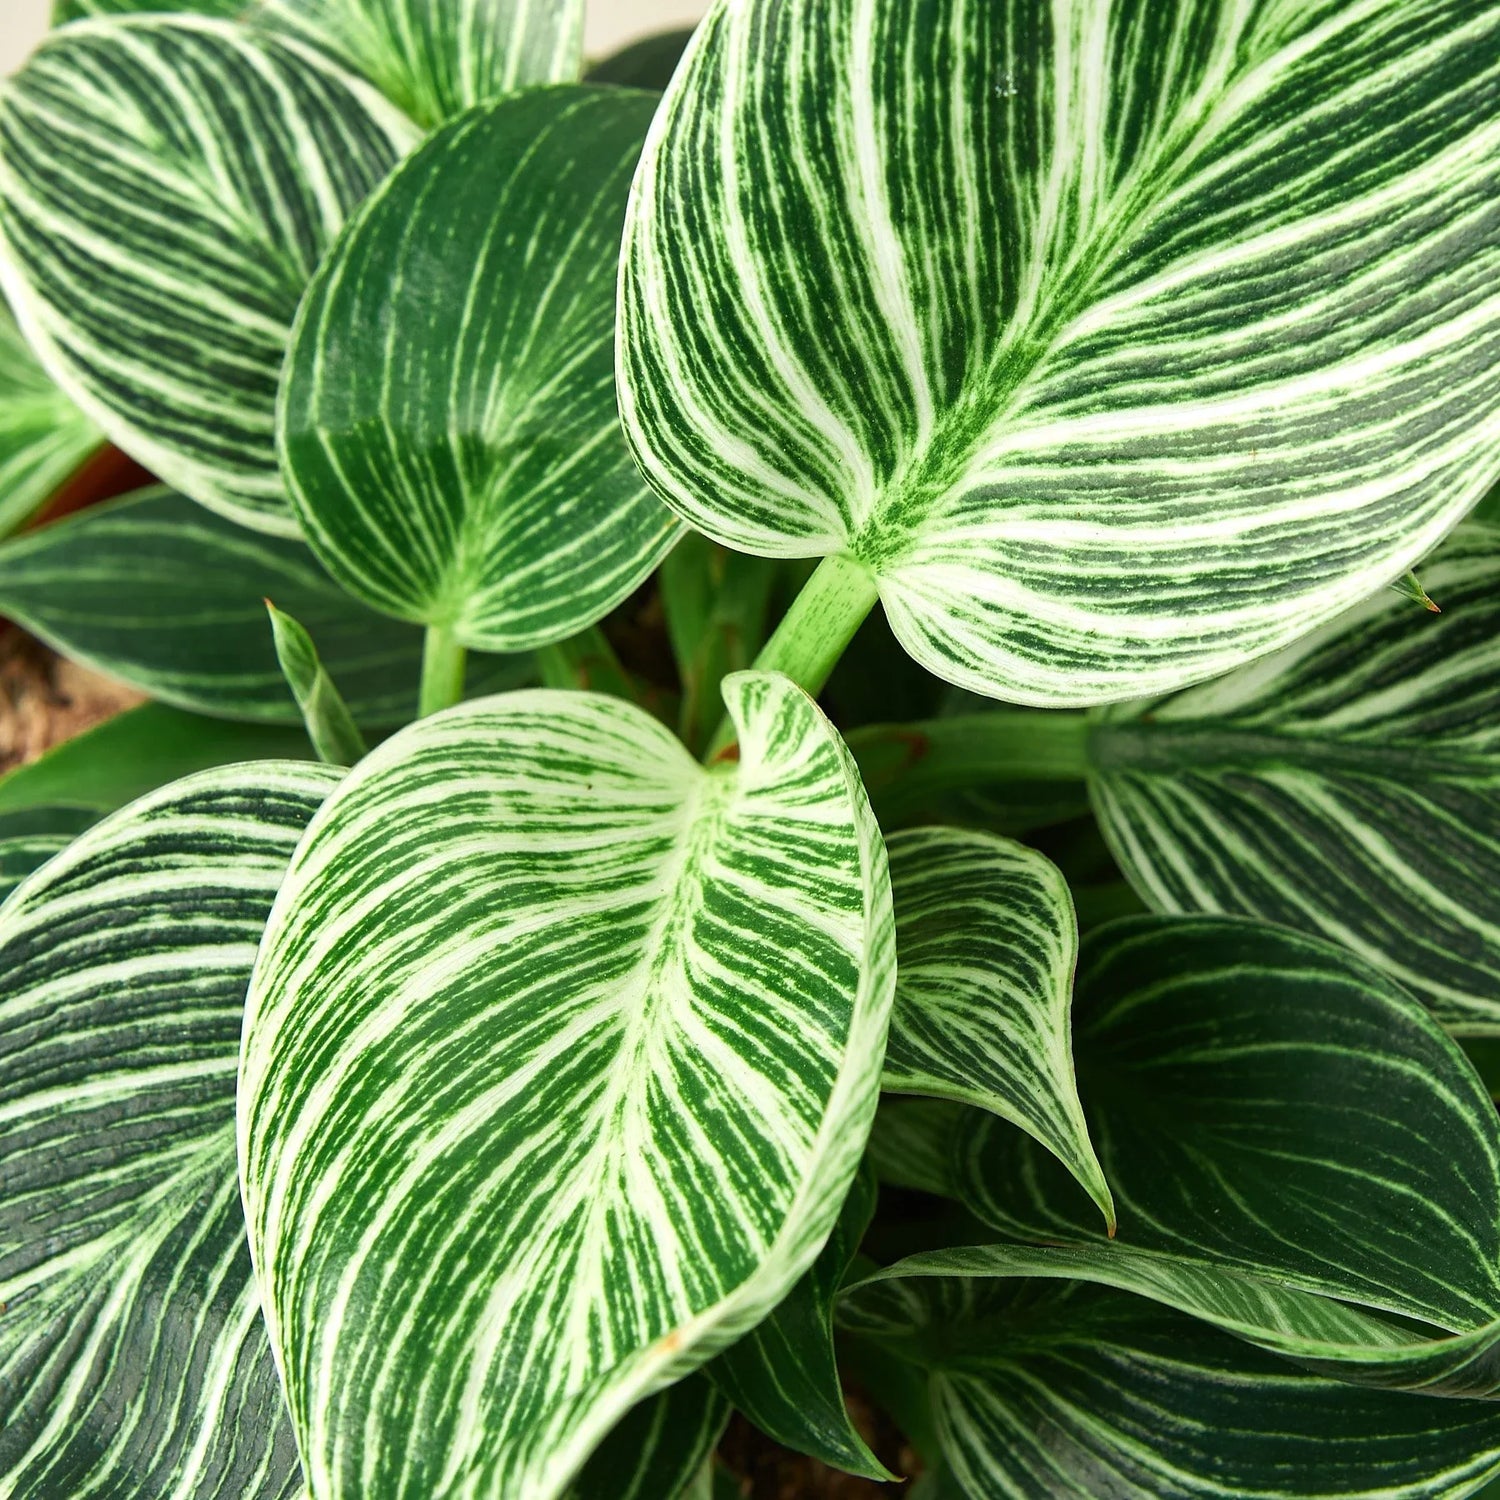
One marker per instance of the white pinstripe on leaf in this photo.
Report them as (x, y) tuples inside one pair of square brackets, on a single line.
[(447, 424), (167, 185), (560, 1057), (1089, 326), (132, 1356)]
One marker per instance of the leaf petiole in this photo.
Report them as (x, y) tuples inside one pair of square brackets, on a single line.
[(443, 664)]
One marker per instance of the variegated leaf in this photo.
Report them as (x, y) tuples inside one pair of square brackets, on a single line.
[(658, 1451), (1349, 786), (1049, 1391), (167, 185), (30, 836), (986, 942), (436, 58), (133, 1360), (448, 424), (64, 11), (162, 594), (560, 1056), (1274, 1116), (784, 1374), (43, 436), (1067, 321)]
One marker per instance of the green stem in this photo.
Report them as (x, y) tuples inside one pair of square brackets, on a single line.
[(443, 664), (906, 765), (815, 633)]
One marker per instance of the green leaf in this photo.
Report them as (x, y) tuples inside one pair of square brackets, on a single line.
[(1046, 1391), (137, 751), (457, 460), (784, 1375), (167, 185), (30, 837), (43, 436), (1066, 322), (1349, 786), (169, 597), (64, 11), (658, 1451), (986, 943), (330, 725), (560, 1058), (436, 58), (132, 1354), (646, 64), (914, 1143), (1269, 1110)]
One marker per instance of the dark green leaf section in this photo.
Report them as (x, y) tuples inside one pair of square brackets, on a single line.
[(915, 1142), (64, 11), (133, 1362), (330, 725), (660, 1448), (170, 598), (43, 436), (31, 836), (1266, 1104), (646, 64), (448, 423), (138, 751), (1060, 1390), (168, 183), (784, 1375), (1349, 786)]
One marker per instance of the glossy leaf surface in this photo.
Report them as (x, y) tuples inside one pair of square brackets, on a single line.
[(560, 1058), (658, 1451), (1066, 321), (986, 943), (132, 1353), (29, 837), (1349, 786), (170, 598), (448, 422), (167, 185)]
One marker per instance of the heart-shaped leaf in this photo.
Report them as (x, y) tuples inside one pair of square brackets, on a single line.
[(43, 436), (986, 943), (1042, 1391), (448, 424), (1349, 785), (167, 185), (1269, 1106), (132, 1356), (1068, 322), (784, 1374), (170, 598), (559, 1060), (436, 58)]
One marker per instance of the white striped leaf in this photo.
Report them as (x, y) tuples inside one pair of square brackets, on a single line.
[(43, 436), (1067, 321), (914, 1142), (64, 11), (169, 597), (658, 1451), (133, 1360), (986, 944), (784, 1374), (30, 836), (167, 185), (1047, 1391), (560, 1057), (455, 456), (436, 58), (1349, 786), (1273, 1115)]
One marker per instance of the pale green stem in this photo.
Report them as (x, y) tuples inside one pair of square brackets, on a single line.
[(816, 632), (443, 664), (586, 662)]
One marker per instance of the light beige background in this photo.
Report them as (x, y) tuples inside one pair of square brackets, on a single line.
[(611, 23)]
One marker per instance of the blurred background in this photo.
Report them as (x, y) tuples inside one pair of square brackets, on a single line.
[(612, 23)]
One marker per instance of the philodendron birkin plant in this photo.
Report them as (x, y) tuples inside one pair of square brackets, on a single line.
[(755, 570)]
